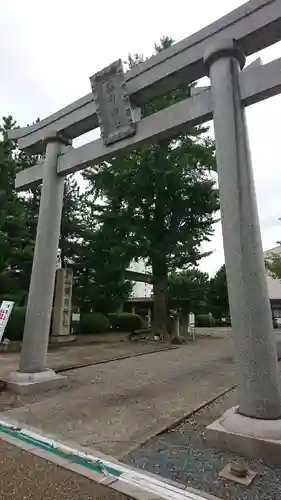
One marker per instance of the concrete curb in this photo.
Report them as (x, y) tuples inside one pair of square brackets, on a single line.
[(117, 358), (193, 412), (178, 421), (101, 362), (99, 468)]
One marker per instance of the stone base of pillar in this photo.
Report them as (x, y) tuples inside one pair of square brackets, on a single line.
[(249, 437), (61, 339), (31, 383)]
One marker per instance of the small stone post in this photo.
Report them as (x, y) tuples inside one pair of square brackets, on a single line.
[(254, 345), (32, 369)]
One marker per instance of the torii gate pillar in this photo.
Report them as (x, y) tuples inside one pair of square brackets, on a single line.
[(259, 410), (32, 371)]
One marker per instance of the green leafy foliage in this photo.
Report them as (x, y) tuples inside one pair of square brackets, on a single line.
[(218, 294), (91, 248), (93, 323), (163, 196), (18, 218), (204, 320), (125, 322), (100, 263), (188, 290), (15, 325), (156, 203), (273, 265), (72, 221)]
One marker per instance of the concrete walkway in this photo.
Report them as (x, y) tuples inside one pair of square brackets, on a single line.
[(71, 356), (116, 406)]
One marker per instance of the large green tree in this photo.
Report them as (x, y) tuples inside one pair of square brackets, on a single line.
[(165, 197), (218, 294), (100, 260), (19, 215), (17, 220)]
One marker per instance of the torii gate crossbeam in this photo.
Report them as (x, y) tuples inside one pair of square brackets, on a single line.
[(256, 84)]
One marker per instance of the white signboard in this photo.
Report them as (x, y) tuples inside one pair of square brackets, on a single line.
[(76, 317), (191, 325), (191, 319), (5, 311)]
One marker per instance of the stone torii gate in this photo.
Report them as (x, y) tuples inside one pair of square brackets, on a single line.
[(218, 50)]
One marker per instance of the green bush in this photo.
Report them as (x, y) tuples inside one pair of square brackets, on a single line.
[(15, 325), (93, 323), (203, 320), (217, 323), (125, 322)]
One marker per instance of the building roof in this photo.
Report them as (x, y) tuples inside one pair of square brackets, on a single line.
[(276, 250)]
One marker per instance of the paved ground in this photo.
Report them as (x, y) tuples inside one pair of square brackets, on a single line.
[(71, 356), (182, 454), (27, 477), (115, 406)]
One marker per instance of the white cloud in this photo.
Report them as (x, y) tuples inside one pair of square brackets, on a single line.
[(48, 50)]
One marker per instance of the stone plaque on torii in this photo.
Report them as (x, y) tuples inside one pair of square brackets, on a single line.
[(218, 50)]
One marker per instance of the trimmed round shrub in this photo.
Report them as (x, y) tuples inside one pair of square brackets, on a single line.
[(218, 323), (203, 320), (15, 325), (125, 322), (93, 323)]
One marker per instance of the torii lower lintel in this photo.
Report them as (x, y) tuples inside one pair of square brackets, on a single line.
[(256, 84)]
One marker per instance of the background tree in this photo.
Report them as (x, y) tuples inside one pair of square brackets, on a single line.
[(218, 294), (101, 260), (273, 265), (165, 197), (19, 215), (17, 220), (72, 221), (188, 290)]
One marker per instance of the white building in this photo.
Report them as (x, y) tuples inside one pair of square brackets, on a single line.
[(140, 290)]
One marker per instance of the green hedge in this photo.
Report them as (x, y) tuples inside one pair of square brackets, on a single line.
[(15, 325), (125, 322), (203, 320), (93, 323)]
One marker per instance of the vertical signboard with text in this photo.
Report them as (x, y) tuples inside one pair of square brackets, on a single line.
[(5, 311), (63, 302)]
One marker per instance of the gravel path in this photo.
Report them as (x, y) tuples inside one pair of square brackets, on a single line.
[(183, 455)]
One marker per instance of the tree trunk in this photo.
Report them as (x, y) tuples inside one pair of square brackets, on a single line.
[(160, 312)]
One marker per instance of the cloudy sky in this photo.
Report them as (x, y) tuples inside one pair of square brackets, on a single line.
[(48, 50)]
